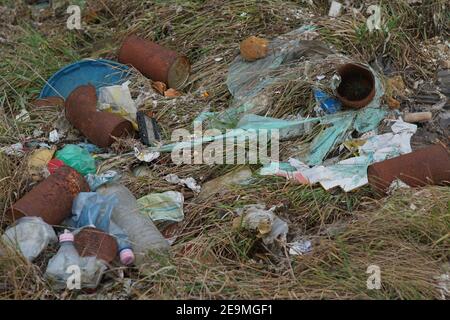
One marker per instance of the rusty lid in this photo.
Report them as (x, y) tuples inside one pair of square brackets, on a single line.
[(90, 241)]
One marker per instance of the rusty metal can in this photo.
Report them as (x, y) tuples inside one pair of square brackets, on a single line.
[(430, 165), (98, 126), (94, 242), (155, 62), (52, 198), (357, 87)]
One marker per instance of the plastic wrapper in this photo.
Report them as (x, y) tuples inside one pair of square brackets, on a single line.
[(77, 158), (30, 236)]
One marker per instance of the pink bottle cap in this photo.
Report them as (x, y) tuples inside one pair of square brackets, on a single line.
[(66, 236), (126, 257)]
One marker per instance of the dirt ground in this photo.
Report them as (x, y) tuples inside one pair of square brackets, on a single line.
[(405, 233)]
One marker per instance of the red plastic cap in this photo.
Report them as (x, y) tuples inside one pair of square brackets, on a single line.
[(54, 165)]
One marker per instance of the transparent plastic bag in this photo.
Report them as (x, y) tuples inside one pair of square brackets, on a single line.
[(30, 236)]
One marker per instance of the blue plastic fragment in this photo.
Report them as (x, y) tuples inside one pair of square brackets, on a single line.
[(327, 103), (98, 73)]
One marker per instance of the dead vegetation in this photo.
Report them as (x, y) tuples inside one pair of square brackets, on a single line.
[(406, 234)]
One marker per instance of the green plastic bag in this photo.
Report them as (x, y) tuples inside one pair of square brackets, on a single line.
[(77, 158)]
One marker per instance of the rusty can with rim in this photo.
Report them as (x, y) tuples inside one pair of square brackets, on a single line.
[(99, 127), (155, 62), (357, 87), (430, 165), (52, 198)]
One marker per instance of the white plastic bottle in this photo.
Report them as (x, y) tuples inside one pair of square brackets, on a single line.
[(144, 236), (58, 270)]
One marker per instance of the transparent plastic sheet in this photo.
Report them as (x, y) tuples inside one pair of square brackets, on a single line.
[(97, 180), (30, 236), (246, 82), (94, 209)]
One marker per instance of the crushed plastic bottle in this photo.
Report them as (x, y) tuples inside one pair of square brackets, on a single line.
[(143, 234), (58, 271), (94, 209), (30, 236)]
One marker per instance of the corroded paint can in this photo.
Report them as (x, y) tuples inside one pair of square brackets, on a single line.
[(155, 62), (52, 198), (357, 87), (99, 127), (429, 165)]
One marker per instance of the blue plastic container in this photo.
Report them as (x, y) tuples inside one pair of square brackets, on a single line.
[(98, 73)]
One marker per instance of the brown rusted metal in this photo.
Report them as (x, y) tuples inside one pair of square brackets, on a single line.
[(430, 165), (49, 102), (155, 62), (94, 242), (52, 198), (357, 87), (98, 126)]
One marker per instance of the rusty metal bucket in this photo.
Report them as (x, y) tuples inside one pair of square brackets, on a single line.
[(52, 198), (357, 87), (155, 62), (430, 165), (98, 126), (94, 242)]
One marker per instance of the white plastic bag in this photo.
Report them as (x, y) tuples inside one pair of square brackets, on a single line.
[(30, 236)]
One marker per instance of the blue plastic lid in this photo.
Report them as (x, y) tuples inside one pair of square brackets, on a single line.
[(98, 73)]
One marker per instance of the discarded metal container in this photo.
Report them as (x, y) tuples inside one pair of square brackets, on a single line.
[(430, 165), (98, 126), (52, 198), (94, 242), (155, 62), (357, 87)]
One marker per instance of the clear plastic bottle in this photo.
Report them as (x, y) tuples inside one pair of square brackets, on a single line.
[(126, 253), (67, 256), (143, 234)]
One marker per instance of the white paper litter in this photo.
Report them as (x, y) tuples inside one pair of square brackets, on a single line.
[(53, 136), (299, 247), (335, 9), (145, 155), (15, 149), (351, 173), (188, 182)]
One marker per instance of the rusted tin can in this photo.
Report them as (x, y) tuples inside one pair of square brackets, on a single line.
[(155, 62), (52, 198), (94, 242), (98, 126), (430, 165), (357, 87)]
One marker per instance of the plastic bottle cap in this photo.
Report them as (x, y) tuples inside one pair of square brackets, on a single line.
[(126, 256), (66, 236)]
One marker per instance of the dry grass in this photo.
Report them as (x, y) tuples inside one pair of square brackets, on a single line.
[(210, 259)]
